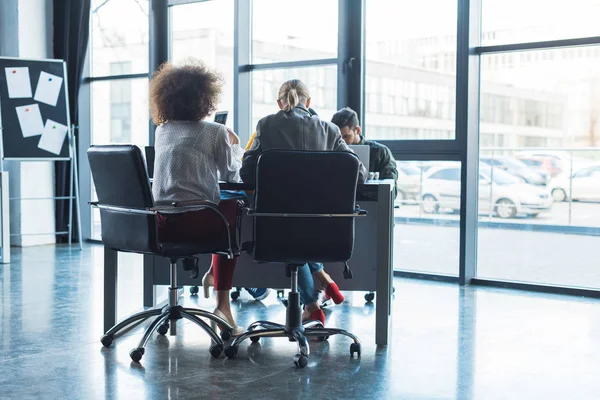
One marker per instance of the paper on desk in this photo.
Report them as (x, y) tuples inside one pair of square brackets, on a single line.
[(18, 83), (53, 137), (30, 120), (48, 88)]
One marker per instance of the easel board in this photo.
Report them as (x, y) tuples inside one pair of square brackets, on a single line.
[(34, 109)]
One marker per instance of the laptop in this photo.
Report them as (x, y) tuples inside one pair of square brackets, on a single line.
[(363, 152)]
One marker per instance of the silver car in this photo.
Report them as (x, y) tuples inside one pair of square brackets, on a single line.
[(500, 193)]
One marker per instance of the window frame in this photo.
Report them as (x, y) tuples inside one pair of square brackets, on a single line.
[(350, 62)]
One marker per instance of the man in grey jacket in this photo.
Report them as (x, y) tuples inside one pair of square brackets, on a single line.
[(296, 129)]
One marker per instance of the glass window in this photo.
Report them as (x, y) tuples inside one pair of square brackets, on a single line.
[(284, 31), (119, 36), (323, 95), (516, 21), (427, 218), (196, 33), (411, 53), (542, 212), (119, 111)]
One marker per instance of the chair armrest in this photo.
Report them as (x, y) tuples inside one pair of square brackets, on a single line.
[(127, 210), (253, 213)]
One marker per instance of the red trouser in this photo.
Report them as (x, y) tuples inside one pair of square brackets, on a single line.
[(202, 226)]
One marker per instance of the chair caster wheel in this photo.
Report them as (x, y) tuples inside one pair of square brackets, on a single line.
[(300, 360), (255, 339), (216, 350), (163, 329), (369, 297), (225, 335), (230, 351), (107, 340), (355, 348), (136, 354), (235, 295), (194, 290)]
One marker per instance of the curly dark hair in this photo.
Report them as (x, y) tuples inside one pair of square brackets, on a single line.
[(187, 92)]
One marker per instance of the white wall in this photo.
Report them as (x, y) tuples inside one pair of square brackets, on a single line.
[(36, 178)]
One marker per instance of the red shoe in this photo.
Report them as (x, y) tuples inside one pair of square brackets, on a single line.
[(317, 315), (333, 292)]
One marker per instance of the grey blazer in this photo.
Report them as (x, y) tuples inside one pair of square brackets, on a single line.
[(297, 129)]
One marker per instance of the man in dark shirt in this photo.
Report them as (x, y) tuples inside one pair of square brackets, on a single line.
[(381, 159)]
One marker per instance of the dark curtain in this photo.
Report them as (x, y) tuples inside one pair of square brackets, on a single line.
[(71, 36)]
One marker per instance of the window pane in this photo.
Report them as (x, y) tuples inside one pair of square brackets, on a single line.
[(196, 33), (411, 69), (321, 81), (284, 31), (119, 35), (119, 115), (516, 21), (427, 228), (541, 222)]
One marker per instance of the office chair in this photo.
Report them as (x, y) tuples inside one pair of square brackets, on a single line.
[(304, 212), (129, 224)]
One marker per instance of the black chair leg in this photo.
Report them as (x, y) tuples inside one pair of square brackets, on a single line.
[(217, 347)]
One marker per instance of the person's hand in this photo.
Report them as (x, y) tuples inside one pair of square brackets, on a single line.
[(233, 138)]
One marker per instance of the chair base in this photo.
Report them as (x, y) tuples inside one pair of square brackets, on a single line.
[(294, 329), (166, 321)]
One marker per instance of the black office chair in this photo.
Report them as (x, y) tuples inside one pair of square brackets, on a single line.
[(304, 212), (129, 223)]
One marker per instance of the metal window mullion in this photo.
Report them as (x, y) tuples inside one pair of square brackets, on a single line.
[(242, 77), (467, 132), (351, 56), (90, 79), (548, 44), (319, 62), (159, 44)]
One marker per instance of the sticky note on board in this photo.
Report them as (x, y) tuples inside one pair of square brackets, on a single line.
[(30, 120), (18, 82), (48, 88), (53, 137)]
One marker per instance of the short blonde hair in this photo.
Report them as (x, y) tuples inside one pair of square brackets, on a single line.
[(292, 93)]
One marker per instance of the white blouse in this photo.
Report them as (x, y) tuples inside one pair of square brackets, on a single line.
[(190, 159)]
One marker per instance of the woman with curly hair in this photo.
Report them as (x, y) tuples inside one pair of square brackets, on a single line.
[(191, 156)]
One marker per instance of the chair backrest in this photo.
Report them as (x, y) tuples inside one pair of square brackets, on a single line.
[(303, 182), (149, 152), (121, 180)]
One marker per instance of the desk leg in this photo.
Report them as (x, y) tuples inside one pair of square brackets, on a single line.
[(384, 265), (149, 287), (110, 288)]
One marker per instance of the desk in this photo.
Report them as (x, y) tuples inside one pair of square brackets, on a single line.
[(371, 262)]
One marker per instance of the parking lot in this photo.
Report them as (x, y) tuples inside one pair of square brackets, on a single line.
[(430, 243), (581, 214)]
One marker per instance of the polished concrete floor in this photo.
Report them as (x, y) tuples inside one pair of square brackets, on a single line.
[(447, 343)]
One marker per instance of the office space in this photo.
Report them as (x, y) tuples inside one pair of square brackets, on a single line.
[(447, 249)]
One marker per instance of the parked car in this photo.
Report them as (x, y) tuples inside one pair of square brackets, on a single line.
[(518, 168), (506, 195), (409, 181), (585, 185), (549, 165)]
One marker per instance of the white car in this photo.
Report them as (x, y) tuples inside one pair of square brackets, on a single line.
[(505, 195), (585, 185)]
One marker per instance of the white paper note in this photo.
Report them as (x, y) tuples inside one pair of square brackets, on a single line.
[(17, 80), (48, 88), (30, 120), (53, 137)]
